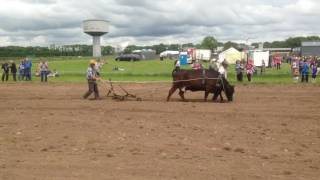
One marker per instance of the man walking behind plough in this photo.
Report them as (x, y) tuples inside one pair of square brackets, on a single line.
[(92, 78)]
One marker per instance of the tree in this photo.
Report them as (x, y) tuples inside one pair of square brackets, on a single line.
[(174, 47), (209, 42), (296, 41), (108, 50), (230, 44), (159, 48), (130, 48), (188, 45)]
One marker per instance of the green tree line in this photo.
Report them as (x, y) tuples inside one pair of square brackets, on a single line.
[(208, 42), (68, 50)]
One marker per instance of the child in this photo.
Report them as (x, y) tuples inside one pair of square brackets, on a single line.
[(314, 72)]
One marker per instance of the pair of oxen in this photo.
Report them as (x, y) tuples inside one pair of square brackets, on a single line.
[(207, 80)]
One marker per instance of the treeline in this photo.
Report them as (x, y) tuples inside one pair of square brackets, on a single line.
[(291, 42), (208, 42), (67, 50)]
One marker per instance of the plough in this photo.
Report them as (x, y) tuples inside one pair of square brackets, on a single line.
[(112, 93)]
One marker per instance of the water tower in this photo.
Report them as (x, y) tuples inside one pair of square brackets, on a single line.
[(96, 28)]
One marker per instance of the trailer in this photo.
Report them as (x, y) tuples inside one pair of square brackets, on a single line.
[(259, 56), (203, 54)]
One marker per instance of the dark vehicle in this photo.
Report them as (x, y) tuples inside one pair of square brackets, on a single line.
[(128, 57)]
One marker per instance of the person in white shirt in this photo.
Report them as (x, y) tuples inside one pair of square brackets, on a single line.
[(44, 71)]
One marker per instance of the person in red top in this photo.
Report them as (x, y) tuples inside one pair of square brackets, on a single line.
[(249, 70), (278, 62)]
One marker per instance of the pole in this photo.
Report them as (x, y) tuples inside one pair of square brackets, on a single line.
[(96, 47)]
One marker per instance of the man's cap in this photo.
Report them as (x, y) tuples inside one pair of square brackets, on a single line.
[(92, 61)]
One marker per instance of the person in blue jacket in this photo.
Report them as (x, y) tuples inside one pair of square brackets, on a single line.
[(305, 71), (28, 66)]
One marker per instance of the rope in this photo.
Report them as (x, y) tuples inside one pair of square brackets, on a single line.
[(107, 82), (176, 81)]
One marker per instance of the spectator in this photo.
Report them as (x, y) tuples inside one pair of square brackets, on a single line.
[(295, 70), (300, 65), (5, 71), (21, 70), (305, 72), (239, 69), (278, 61), (314, 72), (44, 71), (318, 65), (249, 69), (28, 66), (13, 68), (263, 67), (177, 65)]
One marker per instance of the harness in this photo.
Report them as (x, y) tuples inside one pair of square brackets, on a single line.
[(204, 77), (220, 82)]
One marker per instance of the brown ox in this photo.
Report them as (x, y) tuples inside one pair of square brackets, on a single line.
[(209, 81)]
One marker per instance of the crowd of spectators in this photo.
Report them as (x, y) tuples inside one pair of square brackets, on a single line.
[(24, 70), (305, 66)]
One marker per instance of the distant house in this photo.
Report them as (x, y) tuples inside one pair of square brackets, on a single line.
[(310, 48), (231, 55)]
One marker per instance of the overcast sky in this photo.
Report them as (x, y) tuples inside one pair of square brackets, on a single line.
[(145, 22)]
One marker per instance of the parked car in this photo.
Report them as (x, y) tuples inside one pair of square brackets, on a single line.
[(128, 57)]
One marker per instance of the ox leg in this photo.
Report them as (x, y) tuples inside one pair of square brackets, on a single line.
[(221, 97), (215, 96), (181, 93), (206, 94), (216, 93), (171, 91)]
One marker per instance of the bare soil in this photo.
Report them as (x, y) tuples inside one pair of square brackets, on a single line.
[(48, 132)]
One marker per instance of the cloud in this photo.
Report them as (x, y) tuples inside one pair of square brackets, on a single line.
[(44, 22)]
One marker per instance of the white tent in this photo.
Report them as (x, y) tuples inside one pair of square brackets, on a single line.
[(169, 53), (231, 55)]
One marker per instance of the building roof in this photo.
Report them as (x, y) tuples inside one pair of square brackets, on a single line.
[(231, 49), (310, 43), (277, 49)]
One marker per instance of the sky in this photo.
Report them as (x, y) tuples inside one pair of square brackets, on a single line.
[(148, 22)]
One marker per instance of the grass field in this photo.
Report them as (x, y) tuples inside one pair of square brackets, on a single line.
[(73, 69)]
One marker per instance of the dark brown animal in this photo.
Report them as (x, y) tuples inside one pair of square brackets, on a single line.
[(208, 81)]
